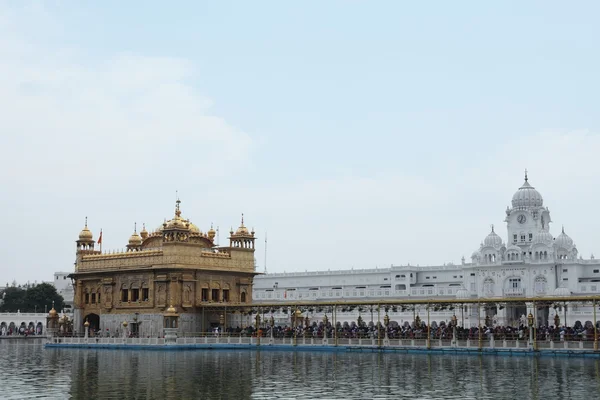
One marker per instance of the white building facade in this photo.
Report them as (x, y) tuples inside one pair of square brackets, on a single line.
[(64, 287), (531, 263)]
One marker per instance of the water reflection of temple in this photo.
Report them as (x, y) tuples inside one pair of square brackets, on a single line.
[(176, 265), (158, 374)]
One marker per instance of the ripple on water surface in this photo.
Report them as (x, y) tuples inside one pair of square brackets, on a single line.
[(30, 371)]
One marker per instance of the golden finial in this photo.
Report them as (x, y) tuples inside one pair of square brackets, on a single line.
[(86, 221), (135, 227), (177, 210), (525, 174), (242, 219)]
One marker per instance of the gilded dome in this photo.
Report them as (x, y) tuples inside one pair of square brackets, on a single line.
[(177, 223), (85, 234), (135, 239), (527, 196), (492, 240), (242, 230), (144, 232), (195, 229), (211, 233)]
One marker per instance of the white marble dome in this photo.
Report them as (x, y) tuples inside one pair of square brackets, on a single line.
[(563, 240), (527, 197), (492, 240), (543, 237)]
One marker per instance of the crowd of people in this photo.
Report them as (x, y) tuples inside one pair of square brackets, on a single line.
[(20, 331), (420, 330)]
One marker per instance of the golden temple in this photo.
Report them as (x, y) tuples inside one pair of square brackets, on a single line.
[(176, 265)]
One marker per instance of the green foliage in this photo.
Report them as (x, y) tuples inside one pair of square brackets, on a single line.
[(32, 299), (14, 299)]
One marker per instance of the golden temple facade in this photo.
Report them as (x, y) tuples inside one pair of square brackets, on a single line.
[(176, 265)]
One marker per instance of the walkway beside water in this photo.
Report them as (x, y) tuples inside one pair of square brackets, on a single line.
[(506, 347)]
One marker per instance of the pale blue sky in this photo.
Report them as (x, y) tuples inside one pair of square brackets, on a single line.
[(356, 133)]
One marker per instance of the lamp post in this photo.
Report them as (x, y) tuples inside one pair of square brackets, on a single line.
[(453, 321), (325, 326), (272, 323), (221, 325), (257, 328), (87, 328), (530, 323), (386, 322), (428, 329), (595, 327), (125, 329), (297, 322)]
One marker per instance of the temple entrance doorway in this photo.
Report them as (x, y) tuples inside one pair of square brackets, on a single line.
[(94, 320)]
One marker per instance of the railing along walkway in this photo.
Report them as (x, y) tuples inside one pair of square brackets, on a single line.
[(422, 343)]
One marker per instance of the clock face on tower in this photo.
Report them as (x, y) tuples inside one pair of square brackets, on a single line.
[(521, 219)]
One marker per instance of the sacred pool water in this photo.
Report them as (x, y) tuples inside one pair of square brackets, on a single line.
[(28, 370)]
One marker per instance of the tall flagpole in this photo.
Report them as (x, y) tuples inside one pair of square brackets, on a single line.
[(265, 252), (100, 240)]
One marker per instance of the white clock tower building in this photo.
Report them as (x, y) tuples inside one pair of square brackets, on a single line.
[(527, 218)]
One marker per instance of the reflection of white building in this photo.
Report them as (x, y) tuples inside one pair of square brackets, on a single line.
[(531, 263), (64, 287)]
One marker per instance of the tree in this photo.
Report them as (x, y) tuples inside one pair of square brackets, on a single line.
[(14, 299), (42, 295)]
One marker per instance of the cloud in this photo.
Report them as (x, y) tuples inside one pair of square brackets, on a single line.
[(119, 119), (114, 137), (81, 134), (399, 218)]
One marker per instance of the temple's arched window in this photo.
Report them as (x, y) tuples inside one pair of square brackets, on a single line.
[(488, 287), (540, 285)]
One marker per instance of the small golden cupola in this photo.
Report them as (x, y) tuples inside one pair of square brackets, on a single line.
[(212, 233), (242, 238), (144, 233), (135, 240), (86, 239), (177, 222), (177, 229)]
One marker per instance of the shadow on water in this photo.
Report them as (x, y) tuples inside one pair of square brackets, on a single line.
[(29, 370)]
